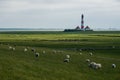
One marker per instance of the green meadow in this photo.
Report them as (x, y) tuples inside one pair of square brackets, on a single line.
[(20, 65)]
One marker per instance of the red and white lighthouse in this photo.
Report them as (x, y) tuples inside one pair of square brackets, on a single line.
[(82, 21)]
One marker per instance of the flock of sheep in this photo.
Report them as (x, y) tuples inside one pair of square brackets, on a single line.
[(26, 49), (91, 64), (95, 65)]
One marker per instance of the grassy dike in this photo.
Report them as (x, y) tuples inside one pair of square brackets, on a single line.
[(20, 65)]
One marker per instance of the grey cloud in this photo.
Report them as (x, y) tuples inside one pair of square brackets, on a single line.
[(58, 13), (117, 0)]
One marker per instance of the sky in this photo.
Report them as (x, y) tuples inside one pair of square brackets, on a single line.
[(59, 13)]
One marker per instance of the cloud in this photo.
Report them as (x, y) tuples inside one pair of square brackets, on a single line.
[(21, 5), (57, 12), (117, 0)]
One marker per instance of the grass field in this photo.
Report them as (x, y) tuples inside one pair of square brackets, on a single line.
[(20, 65)]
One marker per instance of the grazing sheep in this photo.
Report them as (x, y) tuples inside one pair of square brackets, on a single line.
[(67, 60), (91, 53), (36, 54), (33, 50), (13, 48), (87, 60), (113, 66), (68, 56), (92, 64), (10, 47), (80, 53), (43, 52), (25, 49), (95, 65)]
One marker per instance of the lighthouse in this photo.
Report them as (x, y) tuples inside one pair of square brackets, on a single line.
[(80, 28), (82, 21)]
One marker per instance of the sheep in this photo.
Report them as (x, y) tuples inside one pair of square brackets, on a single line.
[(98, 66), (80, 53), (25, 49), (113, 66), (33, 50), (13, 48), (36, 54), (10, 47), (43, 52), (95, 65), (87, 60), (68, 56), (92, 64), (67, 60), (91, 53)]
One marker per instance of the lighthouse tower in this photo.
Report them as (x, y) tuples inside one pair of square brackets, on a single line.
[(82, 22)]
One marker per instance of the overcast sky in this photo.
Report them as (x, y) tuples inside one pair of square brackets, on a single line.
[(59, 13)]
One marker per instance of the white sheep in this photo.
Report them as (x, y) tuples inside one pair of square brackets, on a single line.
[(92, 64), (13, 48), (113, 66), (68, 56), (25, 49), (36, 54), (95, 65), (87, 60), (67, 60), (10, 47), (80, 53), (43, 52), (91, 53)]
